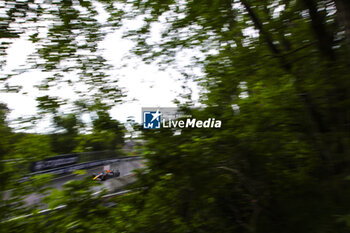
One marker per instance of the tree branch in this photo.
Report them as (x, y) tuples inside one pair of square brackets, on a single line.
[(324, 38)]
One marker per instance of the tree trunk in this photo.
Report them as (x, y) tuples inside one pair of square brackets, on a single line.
[(343, 13), (318, 24)]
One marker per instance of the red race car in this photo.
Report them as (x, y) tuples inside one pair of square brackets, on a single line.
[(106, 175)]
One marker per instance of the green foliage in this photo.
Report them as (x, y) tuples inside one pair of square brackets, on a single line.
[(81, 212), (32, 147), (98, 141), (107, 133), (276, 74), (278, 163)]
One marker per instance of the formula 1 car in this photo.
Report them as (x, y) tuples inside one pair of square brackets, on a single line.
[(106, 175)]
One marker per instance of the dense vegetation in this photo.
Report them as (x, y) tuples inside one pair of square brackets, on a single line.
[(276, 73)]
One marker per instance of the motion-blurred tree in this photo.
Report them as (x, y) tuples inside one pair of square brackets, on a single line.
[(5, 139), (5, 131), (106, 133), (65, 141), (276, 74), (278, 79), (65, 36)]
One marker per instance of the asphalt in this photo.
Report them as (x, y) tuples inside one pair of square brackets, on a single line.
[(125, 168)]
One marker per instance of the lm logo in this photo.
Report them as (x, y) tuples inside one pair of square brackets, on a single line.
[(151, 119)]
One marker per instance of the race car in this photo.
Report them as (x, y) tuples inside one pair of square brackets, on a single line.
[(106, 175)]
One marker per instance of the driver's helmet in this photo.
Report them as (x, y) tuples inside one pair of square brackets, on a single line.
[(108, 171)]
